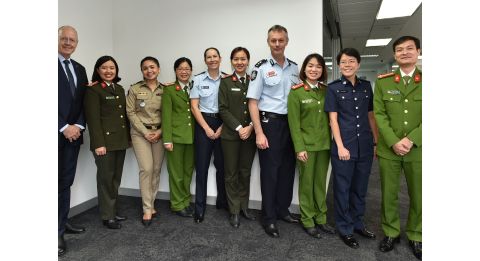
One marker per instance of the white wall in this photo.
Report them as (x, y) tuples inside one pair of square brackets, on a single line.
[(130, 30)]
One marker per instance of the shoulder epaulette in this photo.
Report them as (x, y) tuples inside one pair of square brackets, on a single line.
[(337, 80), (137, 83), (226, 74), (92, 83), (385, 75), (294, 87), (200, 73), (260, 63), (290, 61), (169, 83)]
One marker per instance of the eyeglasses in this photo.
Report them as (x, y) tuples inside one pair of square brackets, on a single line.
[(345, 62), (183, 69), (67, 40)]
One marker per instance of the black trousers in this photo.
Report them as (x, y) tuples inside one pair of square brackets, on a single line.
[(204, 146), (350, 184), (277, 170), (67, 165)]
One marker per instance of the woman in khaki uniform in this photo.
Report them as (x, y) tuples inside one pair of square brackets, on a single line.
[(311, 137), (108, 127), (143, 110)]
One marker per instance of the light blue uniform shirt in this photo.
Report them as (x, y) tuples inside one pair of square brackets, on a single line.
[(205, 88), (270, 85)]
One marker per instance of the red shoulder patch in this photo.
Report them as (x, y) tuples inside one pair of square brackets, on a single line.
[(294, 87)]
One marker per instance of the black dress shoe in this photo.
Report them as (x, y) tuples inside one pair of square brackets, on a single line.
[(247, 215), (62, 246), (350, 241), (365, 233), (120, 218), (234, 220), (290, 218), (112, 224), (388, 243), (146, 222), (272, 230), (312, 231), (198, 218), (416, 247), (184, 213), (326, 228), (71, 229)]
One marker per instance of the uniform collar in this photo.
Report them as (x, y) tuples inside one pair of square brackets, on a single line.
[(272, 61), (345, 80)]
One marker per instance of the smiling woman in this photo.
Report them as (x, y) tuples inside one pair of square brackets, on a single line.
[(108, 128)]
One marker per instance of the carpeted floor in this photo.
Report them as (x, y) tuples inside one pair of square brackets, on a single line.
[(171, 237)]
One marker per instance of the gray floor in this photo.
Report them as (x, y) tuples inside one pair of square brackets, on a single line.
[(174, 238)]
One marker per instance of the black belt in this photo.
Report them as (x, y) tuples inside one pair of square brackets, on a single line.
[(273, 115), (212, 115), (153, 127)]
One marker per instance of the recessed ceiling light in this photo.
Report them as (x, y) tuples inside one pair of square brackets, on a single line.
[(368, 55), (392, 8), (378, 42)]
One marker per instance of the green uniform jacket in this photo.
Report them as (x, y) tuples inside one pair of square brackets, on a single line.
[(177, 119), (398, 112), (308, 122), (106, 117), (233, 106)]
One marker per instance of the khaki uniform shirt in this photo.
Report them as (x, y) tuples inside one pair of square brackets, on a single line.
[(144, 106)]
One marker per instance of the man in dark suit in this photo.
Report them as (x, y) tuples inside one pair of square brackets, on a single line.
[(72, 79)]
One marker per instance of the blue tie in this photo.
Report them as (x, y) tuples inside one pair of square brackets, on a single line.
[(71, 80)]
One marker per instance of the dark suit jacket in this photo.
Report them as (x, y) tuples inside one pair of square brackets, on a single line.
[(70, 108), (233, 106)]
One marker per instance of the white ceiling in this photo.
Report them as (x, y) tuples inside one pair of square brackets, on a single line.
[(357, 23)]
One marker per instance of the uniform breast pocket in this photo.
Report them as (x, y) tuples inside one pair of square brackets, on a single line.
[(272, 87), (273, 81), (392, 103), (205, 92)]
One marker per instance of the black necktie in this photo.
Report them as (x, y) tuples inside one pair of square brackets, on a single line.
[(406, 79), (71, 80), (242, 79), (185, 88)]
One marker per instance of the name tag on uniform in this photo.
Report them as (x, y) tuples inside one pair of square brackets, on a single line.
[(142, 93), (342, 91), (393, 92), (110, 98), (236, 89), (205, 87), (271, 74), (307, 101)]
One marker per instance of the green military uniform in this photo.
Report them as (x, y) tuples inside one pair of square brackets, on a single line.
[(398, 112), (238, 153), (178, 129), (144, 113), (310, 131), (108, 127)]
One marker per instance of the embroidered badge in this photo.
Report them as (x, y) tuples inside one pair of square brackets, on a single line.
[(234, 78), (205, 87), (417, 78), (178, 88), (254, 74), (397, 78), (393, 92), (271, 74), (307, 101), (104, 85)]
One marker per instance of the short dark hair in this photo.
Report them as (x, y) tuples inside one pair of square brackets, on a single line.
[(211, 48), (96, 77), (149, 58), (278, 27), (320, 60), (404, 39), (350, 52), (180, 61), (239, 49)]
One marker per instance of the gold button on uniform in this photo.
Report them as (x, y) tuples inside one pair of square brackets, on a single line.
[(108, 133), (121, 116), (406, 122), (406, 100), (120, 106), (406, 111)]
